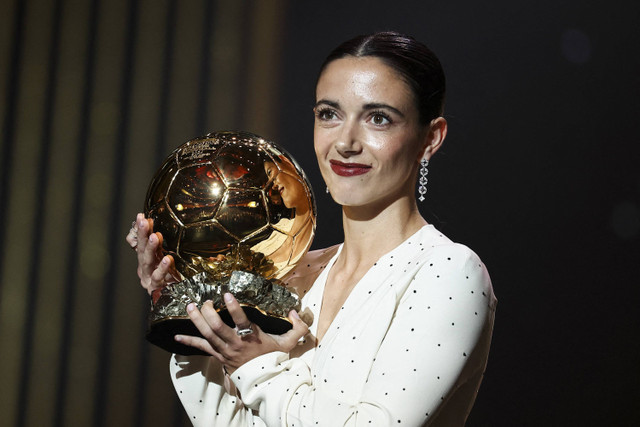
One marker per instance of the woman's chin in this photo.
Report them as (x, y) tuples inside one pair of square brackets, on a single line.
[(343, 198)]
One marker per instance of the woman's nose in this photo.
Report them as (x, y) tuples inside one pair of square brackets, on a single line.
[(348, 142), (276, 184)]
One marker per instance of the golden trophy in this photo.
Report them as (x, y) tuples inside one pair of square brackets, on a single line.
[(237, 213)]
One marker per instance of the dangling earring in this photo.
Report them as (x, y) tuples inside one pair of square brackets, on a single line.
[(326, 189), (422, 188)]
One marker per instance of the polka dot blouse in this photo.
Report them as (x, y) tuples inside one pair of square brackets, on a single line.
[(409, 347)]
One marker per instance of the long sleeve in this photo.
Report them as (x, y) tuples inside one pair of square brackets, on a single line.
[(430, 356), (434, 355), (207, 394), (409, 347)]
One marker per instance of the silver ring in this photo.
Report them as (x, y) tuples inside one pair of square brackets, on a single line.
[(244, 331)]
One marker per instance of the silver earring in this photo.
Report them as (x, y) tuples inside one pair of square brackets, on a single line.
[(422, 188), (326, 189)]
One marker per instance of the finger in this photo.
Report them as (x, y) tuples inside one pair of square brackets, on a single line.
[(238, 315), (150, 256), (211, 327), (201, 344), (159, 275), (226, 333), (143, 233), (290, 338)]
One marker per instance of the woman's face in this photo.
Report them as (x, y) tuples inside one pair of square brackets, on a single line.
[(367, 134), (290, 189)]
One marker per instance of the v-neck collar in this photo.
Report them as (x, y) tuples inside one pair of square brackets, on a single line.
[(316, 293)]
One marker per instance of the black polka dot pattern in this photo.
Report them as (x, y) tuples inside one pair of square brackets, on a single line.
[(392, 356)]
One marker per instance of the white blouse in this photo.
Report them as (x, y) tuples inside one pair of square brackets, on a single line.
[(409, 347)]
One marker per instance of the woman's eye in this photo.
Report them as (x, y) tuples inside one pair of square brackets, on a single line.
[(326, 114), (379, 119)]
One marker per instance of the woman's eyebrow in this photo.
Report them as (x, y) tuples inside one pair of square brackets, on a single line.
[(366, 107), (381, 106), (333, 104)]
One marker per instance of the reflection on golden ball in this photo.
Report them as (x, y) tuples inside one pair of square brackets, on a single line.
[(232, 201), (236, 213)]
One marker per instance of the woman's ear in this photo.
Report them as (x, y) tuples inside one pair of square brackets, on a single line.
[(435, 137)]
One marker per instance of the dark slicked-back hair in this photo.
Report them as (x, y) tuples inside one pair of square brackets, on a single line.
[(412, 60)]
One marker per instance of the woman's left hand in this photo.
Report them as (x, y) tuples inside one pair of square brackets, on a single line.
[(224, 343)]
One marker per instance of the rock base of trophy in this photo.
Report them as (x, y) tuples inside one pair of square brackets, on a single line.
[(162, 332)]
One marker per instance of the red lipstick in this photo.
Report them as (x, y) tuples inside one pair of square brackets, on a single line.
[(348, 169)]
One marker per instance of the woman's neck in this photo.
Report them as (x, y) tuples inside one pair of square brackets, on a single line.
[(370, 233)]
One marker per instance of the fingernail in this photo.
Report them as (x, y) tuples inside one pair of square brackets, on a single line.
[(191, 307), (228, 297), (178, 338), (152, 237), (165, 260), (295, 314)]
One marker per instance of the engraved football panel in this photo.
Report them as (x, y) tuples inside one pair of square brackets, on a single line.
[(195, 193), (160, 183), (165, 223), (241, 165), (242, 212), (205, 240)]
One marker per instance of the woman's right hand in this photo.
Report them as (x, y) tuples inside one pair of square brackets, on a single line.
[(154, 270)]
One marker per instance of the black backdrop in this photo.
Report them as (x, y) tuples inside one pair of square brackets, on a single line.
[(539, 174)]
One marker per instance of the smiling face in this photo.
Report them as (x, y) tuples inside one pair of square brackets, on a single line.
[(291, 190), (367, 134)]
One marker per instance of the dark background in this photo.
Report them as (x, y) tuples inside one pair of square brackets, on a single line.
[(539, 175)]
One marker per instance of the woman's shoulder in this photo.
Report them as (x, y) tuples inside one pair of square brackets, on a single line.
[(460, 251), (453, 257), (440, 246), (457, 265), (309, 268)]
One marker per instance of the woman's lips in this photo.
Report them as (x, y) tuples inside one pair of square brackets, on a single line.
[(348, 169)]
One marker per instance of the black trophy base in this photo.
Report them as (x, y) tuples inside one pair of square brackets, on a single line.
[(162, 332)]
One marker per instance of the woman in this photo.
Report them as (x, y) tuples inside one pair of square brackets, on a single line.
[(290, 192), (401, 316)]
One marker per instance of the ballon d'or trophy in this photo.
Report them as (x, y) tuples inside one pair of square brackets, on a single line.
[(237, 213)]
